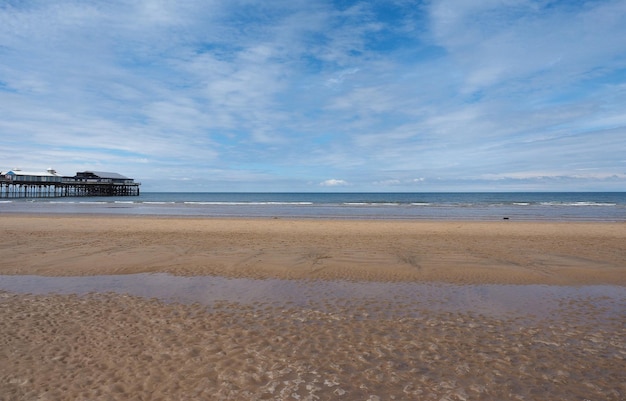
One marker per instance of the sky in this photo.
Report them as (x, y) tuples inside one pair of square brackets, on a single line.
[(315, 95)]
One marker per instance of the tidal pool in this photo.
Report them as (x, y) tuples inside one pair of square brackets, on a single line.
[(539, 301)]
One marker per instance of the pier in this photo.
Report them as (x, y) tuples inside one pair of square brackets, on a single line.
[(21, 184)]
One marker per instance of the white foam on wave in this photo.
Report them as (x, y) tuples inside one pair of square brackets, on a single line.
[(246, 203), (372, 204), (578, 204)]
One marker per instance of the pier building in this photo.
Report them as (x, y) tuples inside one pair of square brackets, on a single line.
[(48, 184)]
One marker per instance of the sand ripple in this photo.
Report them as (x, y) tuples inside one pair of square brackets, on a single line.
[(115, 347)]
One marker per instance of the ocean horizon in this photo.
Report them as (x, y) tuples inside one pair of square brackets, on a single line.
[(551, 206)]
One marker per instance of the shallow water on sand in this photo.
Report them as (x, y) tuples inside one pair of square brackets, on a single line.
[(492, 300), (157, 336)]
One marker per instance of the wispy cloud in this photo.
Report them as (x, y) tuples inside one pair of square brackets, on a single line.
[(241, 95)]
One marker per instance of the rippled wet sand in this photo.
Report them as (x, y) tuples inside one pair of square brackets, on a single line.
[(112, 346)]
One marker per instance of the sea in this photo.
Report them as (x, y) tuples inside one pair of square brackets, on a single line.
[(524, 206)]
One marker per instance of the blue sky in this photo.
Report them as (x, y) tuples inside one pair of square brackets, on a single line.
[(393, 95)]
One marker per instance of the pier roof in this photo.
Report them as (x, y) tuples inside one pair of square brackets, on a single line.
[(31, 173), (104, 174)]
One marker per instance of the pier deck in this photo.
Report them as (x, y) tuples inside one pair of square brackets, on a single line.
[(64, 189), (84, 184)]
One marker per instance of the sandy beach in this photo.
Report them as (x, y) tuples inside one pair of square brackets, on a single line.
[(502, 252), (103, 346)]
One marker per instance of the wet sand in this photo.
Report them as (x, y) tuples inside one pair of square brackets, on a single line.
[(103, 346)]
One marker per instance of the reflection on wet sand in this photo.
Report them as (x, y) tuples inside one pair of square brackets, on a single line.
[(496, 300)]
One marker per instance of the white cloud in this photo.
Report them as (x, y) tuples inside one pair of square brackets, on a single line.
[(539, 175), (339, 77), (333, 182)]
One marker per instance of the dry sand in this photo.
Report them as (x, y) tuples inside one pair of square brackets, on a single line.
[(118, 347), (456, 252)]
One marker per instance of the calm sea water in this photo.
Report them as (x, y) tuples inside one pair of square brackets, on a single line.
[(578, 206)]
